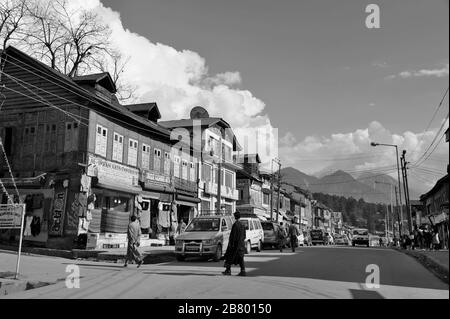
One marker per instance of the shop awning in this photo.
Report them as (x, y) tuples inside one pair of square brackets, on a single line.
[(152, 195), (129, 190), (189, 199), (184, 203), (158, 188)]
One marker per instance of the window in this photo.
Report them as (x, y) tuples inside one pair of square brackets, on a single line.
[(184, 170), (145, 156), (206, 172), (7, 138), (228, 179), (29, 136), (167, 163), (266, 199), (101, 138), (132, 152), (205, 205), (192, 172), (157, 160), (70, 137), (117, 147), (176, 166)]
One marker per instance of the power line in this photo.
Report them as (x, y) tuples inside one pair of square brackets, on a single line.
[(87, 98), (432, 118), (437, 144)]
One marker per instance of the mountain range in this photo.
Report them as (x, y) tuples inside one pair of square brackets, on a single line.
[(373, 188)]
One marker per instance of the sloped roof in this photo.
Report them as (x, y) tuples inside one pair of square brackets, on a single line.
[(103, 79), (149, 108), (74, 86), (438, 184)]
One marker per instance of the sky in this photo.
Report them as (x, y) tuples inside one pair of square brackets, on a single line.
[(308, 72)]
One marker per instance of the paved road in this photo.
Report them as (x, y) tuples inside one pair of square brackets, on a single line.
[(311, 272)]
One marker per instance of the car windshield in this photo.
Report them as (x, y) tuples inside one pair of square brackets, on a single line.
[(267, 226), (204, 224), (360, 232)]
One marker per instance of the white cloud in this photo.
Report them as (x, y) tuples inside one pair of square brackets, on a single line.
[(440, 72), (178, 80), (352, 152)]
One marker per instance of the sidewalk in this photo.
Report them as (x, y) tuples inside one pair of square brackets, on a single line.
[(152, 254), (435, 261)]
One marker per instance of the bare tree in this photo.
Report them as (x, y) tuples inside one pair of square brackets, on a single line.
[(12, 13), (115, 63)]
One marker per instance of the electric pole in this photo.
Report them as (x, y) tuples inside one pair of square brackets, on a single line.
[(398, 215), (406, 189), (279, 189), (271, 191)]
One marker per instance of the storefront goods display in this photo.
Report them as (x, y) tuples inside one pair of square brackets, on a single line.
[(94, 226)]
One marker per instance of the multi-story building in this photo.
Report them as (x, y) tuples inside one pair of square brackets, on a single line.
[(82, 162), (249, 185), (213, 139), (436, 208)]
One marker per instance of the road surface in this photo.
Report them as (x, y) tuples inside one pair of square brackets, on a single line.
[(310, 272)]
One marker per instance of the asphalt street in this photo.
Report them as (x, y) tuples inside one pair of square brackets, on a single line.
[(310, 272)]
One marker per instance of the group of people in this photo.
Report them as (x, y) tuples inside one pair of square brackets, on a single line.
[(427, 239)]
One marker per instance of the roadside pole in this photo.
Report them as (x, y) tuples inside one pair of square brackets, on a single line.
[(20, 241)]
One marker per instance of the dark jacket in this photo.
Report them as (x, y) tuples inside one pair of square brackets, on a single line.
[(236, 244)]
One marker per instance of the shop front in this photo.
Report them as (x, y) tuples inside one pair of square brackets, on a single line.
[(156, 206), (110, 203), (186, 200)]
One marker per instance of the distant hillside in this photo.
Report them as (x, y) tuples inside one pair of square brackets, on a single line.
[(339, 183)]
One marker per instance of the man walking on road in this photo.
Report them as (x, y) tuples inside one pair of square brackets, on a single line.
[(236, 247), (294, 232), (134, 238)]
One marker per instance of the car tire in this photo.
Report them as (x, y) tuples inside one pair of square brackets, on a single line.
[(259, 248), (218, 253), (248, 247), (181, 258)]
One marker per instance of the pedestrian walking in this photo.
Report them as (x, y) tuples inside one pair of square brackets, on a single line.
[(134, 238), (436, 241), (281, 237), (181, 227), (428, 239), (293, 232), (236, 247)]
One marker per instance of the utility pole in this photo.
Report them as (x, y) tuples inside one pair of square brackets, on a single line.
[(398, 215), (271, 191), (279, 189), (219, 176), (406, 190)]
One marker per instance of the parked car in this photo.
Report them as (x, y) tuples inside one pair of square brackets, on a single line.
[(340, 240), (318, 237), (270, 233), (360, 237), (205, 236), (254, 232)]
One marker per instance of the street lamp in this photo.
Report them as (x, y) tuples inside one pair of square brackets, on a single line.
[(398, 176)]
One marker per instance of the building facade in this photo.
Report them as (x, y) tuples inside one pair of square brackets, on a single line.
[(84, 163)]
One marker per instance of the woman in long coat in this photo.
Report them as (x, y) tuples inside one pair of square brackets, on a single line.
[(236, 247)]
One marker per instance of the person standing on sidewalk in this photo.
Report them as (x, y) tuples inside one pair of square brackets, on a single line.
[(436, 241), (281, 236), (134, 238), (293, 232), (236, 247)]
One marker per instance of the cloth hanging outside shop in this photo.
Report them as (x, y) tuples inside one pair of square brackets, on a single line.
[(164, 215), (29, 220)]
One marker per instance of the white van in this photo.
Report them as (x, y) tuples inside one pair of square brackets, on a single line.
[(360, 237), (254, 232)]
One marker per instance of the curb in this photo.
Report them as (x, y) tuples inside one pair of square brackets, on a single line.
[(430, 263)]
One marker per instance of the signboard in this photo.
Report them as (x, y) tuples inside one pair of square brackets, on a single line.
[(57, 215), (150, 176), (112, 173), (11, 216)]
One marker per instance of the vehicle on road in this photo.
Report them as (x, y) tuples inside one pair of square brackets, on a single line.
[(254, 232), (270, 233), (318, 237), (205, 236), (360, 237), (340, 240)]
